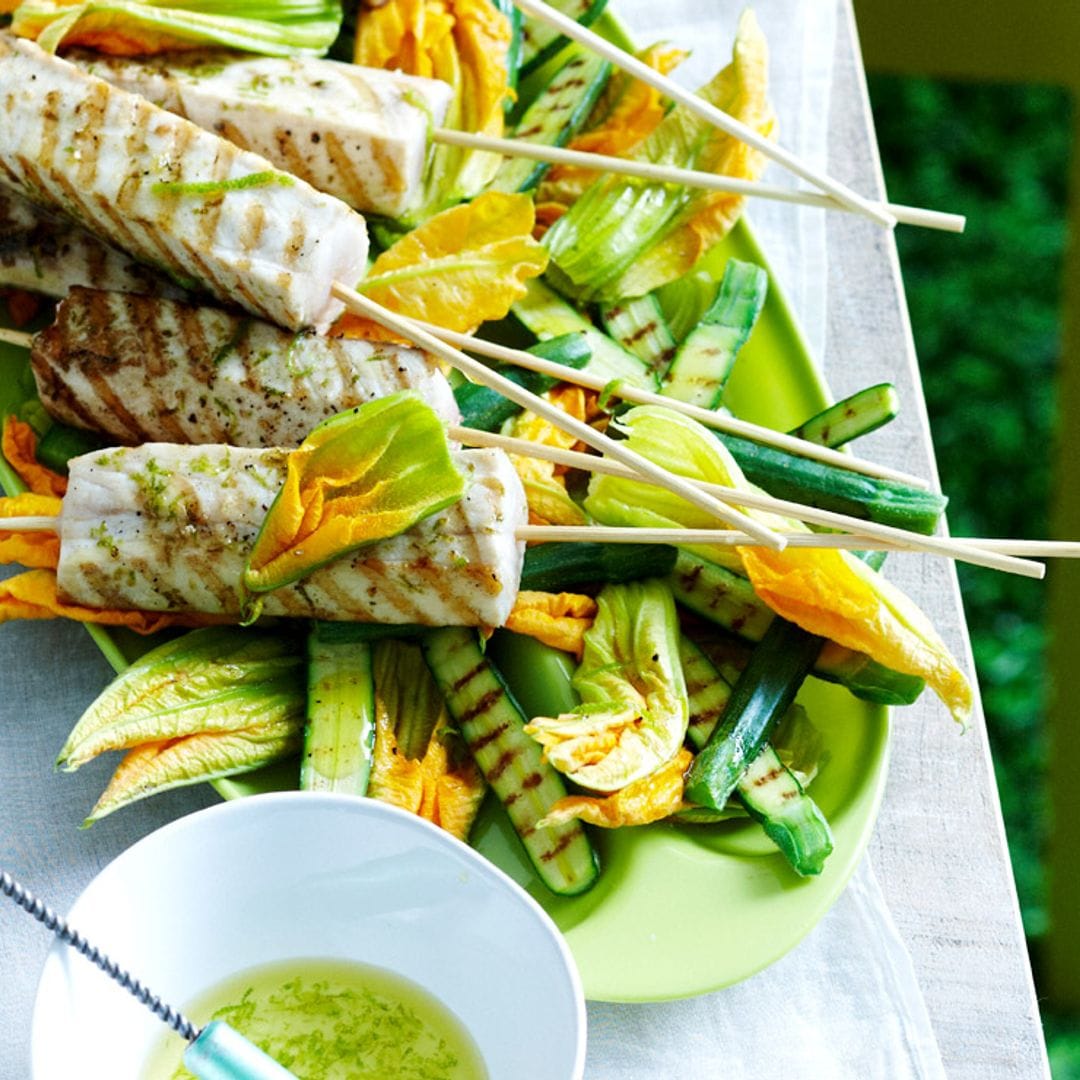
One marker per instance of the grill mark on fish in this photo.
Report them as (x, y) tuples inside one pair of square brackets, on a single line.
[(381, 586), (147, 326), (294, 246), (337, 594), (192, 334), (198, 567), (53, 388), (341, 161), (254, 224), (290, 155), (228, 130), (104, 361), (87, 137), (106, 594), (166, 257), (50, 117), (210, 221), (391, 174)]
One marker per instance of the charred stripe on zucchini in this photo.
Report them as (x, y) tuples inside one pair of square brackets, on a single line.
[(492, 725)]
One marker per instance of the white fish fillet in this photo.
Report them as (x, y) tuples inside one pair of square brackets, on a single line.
[(167, 528), (141, 369), (358, 133), (123, 168)]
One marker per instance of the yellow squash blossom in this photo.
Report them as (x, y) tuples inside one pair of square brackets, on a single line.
[(557, 619), (361, 476), (652, 798), (459, 269), (36, 549), (543, 481), (19, 448), (826, 592), (463, 42)]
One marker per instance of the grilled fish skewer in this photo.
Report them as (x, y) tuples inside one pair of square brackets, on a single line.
[(172, 194), (140, 369), (161, 527)]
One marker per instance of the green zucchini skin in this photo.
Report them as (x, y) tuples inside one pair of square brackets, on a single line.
[(492, 724), (764, 692), (540, 42), (854, 416), (556, 567), (703, 362), (487, 410), (60, 444), (767, 788), (339, 735), (788, 476), (546, 314), (790, 818), (728, 600), (540, 677), (554, 117), (639, 326)]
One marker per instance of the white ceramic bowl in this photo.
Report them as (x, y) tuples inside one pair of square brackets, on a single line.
[(303, 875)]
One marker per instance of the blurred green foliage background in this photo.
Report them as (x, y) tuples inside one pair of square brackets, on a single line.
[(986, 315)]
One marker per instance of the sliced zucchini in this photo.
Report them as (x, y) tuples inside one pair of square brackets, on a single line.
[(791, 819), (767, 788), (828, 487), (707, 691), (857, 415), (492, 723), (704, 360), (487, 409), (546, 314), (554, 567), (554, 117), (764, 692), (539, 42), (339, 736), (639, 326)]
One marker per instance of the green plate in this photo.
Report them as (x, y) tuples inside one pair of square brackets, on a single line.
[(679, 911)]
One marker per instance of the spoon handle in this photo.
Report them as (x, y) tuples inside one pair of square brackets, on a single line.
[(47, 917)]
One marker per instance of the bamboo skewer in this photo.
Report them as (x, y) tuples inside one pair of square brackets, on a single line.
[(862, 531), (611, 534), (16, 337), (717, 421), (671, 89), (645, 170), (642, 467), (1051, 549)]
